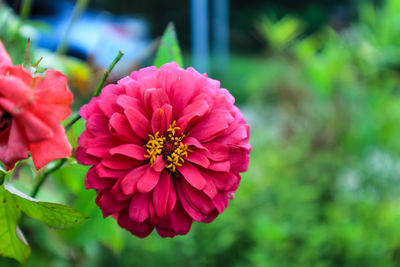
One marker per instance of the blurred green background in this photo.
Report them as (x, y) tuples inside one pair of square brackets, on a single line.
[(319, 83)]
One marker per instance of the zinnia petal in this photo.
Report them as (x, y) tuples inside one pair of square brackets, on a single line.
[(139, 123), (139, 207), (193, 176), (148, 181), (129, 150), (162, 193)]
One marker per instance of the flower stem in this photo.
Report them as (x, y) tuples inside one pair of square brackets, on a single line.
[(72, 122), (108, 71), (99, 87), (42, 178)]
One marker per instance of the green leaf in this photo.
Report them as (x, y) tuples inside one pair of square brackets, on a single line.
[(169, 48), (52, 214), (13, 244)]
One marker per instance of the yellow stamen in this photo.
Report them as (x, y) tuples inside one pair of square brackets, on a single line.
[(157, 143), (154, 147), (172, 128)]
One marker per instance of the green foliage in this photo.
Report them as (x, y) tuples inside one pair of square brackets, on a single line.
[(322, 187), (13, 243), (280, 33), (52, 214), (12, 202), (169, 48)]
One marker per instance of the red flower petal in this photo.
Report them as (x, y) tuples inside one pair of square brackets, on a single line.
[(192, 111), (217, 152), (126, 101), (162, 193), (54, 99), (191, 141), (210, 127), (139, 124), (129, 150), (108, 103), (155, 98), (198, 199), (220, 201), (122, 129), (57, 147), (15, 91), (129, 182), (188, 206), (161, 119), (13, 147), (199, 159), (100, 146), (93, 181), (159, 164), (35, 129), (108, 203), (220, 166), (97, 124), (120, 162), (148, 181), (139, 229), (192, 175), (139, 207)]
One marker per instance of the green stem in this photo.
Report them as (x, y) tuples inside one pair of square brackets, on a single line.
[(72, 122), (108, 71), (42, 178), (99, 87), (25, 9), (78, 10)]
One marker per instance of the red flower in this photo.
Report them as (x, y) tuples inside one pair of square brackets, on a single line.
[(31, 108), (166, 146)]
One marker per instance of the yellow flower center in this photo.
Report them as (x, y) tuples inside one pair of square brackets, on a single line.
[(170, 147)]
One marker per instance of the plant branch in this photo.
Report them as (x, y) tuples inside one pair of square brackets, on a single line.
[(72, 122), (108, 71), (99, 87), (42, 178)]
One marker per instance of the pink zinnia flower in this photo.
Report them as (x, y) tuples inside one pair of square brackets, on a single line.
[(31, 108), (167, 146)]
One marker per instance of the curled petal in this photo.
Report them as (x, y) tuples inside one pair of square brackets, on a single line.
[(193, 176), (148, 181), (139, 207), (129, 150)]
